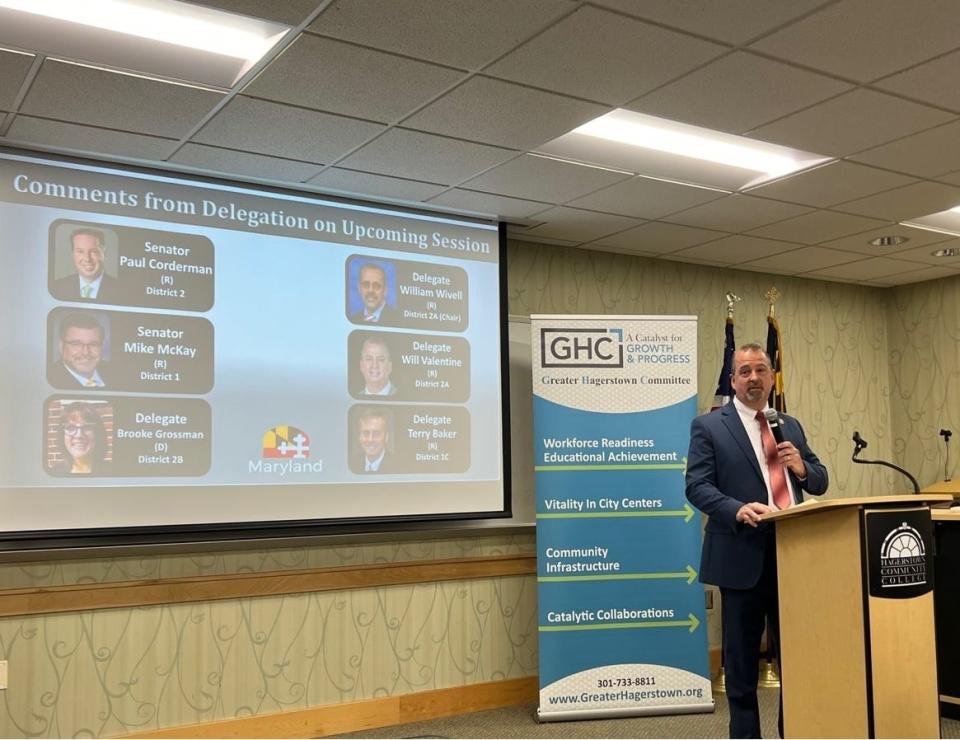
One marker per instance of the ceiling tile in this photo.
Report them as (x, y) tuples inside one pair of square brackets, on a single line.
[(919, 199), (213, 159), (861, 242), (656, 237), (598, 247), (813, 228), (833, 183), (951, 177), (598, 55), (732, 21), (518, 234), (366, 183), (291, 12), (95, 97), (418, 156), (851, 123), (342, 78), (737, 93), (503, 114), (86, 139), (285, 131), (544, 179), (643, 197), (732, 250), (934, 82), (866, 269), (917, 276), (495, 205), (801, 260), (867, 39), (927, 154), (925, 253), (572, 224), (13, 70), (736, 213), (461, 33)]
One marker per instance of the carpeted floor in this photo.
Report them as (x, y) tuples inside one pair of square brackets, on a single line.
[(521, 722)]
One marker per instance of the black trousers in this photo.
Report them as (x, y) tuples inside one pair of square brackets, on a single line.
[(745, 613)]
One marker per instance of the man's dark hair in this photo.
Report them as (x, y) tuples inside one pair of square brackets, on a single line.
[(373, 266), (372, 412), (95, 233), (753, 347), (79, 321)]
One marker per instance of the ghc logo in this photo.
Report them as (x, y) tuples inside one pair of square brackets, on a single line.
[(581, 347)]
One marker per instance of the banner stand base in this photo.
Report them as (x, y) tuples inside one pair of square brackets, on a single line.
[(706, 708)]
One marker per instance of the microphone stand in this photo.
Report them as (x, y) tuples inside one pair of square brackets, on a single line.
[(946, 434), (859, 443)]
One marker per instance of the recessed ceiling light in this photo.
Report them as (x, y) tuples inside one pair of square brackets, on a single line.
[(948, 252), (163, 38), (890, 240), (678, 152), (942, 222)]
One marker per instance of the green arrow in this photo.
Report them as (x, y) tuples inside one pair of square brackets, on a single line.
[(691, 622), (650, 466), (687, 514), (689, 574)]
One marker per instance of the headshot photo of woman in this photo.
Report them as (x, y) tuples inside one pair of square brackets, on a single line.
[(81, 441)]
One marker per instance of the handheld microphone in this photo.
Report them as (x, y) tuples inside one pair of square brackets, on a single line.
[(773, 421), (860, 443)]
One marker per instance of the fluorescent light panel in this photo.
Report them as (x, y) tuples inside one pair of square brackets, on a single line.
[(944, 222), (161, 38), (679, 152)]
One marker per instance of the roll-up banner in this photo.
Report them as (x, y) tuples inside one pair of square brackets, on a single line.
[(621, 613)]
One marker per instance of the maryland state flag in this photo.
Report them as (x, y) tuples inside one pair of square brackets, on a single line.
[(778, 399), (724, 389)]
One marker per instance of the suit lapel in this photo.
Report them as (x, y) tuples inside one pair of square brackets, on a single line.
[(731, 419)]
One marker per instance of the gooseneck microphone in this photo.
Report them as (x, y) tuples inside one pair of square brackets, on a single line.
[(859, 443), (946, 434)]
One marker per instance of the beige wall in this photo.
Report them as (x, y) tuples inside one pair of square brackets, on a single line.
[(923, 323), (852, 353)]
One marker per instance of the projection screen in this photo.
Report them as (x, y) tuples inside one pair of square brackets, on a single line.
[(186, 353)]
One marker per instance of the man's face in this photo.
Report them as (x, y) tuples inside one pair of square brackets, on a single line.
[(373, 287), (375, 365), (80, 350), (752, 378), (87, 256), (78, 437), (373, 436)]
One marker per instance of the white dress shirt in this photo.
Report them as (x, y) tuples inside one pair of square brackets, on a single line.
[(752, 427)]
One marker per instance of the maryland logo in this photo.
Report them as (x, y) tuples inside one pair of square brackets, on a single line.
[(286, 442)]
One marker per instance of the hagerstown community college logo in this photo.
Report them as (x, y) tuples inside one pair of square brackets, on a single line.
[(903, 558)]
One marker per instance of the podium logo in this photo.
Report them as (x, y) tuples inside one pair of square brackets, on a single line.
[(569, 347), (903, 558), (286, 442)]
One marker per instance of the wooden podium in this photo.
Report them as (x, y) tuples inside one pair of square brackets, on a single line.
[(858, 655)]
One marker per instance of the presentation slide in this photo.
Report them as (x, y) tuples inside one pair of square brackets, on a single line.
[(187, 352)]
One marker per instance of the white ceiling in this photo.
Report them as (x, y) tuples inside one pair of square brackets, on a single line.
[(441, 103)]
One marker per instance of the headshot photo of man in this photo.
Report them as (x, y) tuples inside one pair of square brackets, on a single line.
[(376, 368), (373, 440), (80, 347), (88, 280), (373, 289)]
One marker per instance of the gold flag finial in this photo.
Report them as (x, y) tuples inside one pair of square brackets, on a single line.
[(772, 295), (732, 300)]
